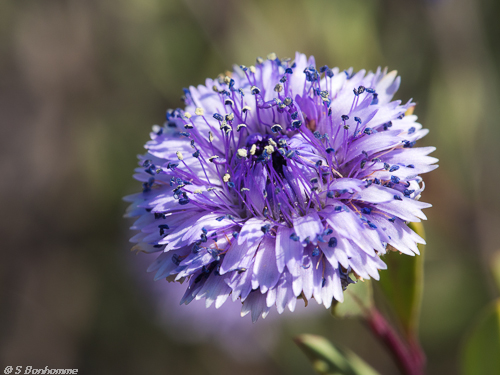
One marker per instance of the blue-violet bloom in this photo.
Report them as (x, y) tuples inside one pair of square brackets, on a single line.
[(279, 181)]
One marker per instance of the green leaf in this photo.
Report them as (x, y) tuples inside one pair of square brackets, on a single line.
[(358, 300), (482, 348), (402, 284), (330, 360)]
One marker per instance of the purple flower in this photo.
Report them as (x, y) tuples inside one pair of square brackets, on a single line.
[(278, 181)]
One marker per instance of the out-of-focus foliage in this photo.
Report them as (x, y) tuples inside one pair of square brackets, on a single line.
[(482, 349), (495, 269), (358, 300), (329, 360), (402, 285)]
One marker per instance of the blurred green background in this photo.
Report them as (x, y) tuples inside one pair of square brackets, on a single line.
[(81, 84)]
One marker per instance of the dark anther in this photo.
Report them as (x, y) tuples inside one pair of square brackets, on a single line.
[(175, 259), (163, 227), (276, 128), (255, 90), (184, 200), (387, 125), (408, 192), (265, 213), (311, 74)]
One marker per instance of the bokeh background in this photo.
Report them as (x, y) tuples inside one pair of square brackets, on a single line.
[(81, 84)]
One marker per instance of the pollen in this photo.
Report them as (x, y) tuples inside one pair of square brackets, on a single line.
[(269, 149), (253, 149), (242, 153)]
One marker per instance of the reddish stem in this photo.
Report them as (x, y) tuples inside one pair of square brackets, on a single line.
[(409, 357)]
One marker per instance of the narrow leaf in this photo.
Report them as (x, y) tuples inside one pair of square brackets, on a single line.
[(330, 360), (402, 284)]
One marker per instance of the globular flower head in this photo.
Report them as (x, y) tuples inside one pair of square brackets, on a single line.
[(279, 181)]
